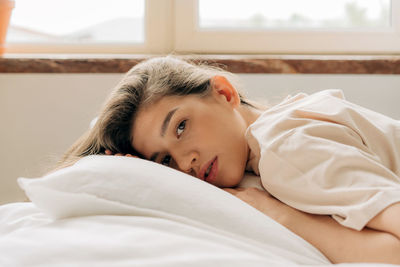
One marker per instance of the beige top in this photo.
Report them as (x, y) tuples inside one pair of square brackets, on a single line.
[(324, 155)]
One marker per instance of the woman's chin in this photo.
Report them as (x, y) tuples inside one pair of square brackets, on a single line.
[(231, 182)]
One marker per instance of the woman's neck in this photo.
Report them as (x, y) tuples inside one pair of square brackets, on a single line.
[(250, 114)]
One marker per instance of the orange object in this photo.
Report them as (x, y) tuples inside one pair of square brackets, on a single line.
[(6, 6)]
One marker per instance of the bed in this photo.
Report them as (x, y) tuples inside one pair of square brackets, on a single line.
[(122, 211)]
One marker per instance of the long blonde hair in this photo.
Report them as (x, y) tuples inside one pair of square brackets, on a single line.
[(144, 84)]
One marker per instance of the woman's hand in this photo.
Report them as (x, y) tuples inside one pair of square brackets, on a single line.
[(110, 153)]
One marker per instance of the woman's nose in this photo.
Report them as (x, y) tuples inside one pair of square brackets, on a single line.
[(187, 162)]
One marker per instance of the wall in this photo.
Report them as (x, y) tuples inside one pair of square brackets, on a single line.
[(42, 114)]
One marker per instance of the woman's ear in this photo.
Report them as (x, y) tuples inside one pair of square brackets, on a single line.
[(221, 86)]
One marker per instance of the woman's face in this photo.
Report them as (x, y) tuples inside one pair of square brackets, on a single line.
[(204, 137)]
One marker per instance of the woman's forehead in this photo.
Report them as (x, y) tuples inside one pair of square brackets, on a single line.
[(148, 122), (168, 102), (143, 133)]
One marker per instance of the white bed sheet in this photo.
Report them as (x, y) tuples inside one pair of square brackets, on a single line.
[(30, 238), (118, 211)]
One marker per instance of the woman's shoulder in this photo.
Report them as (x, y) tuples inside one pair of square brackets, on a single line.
[(300, 101), (337, 93)]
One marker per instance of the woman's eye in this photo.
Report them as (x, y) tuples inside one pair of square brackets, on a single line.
[(166, 160), (180, 128)]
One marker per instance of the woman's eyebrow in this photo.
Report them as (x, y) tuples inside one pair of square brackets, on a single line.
[(167, 120), (164, 128)]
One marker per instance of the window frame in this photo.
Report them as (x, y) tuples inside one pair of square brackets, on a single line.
[(190, 38), (172, 26)]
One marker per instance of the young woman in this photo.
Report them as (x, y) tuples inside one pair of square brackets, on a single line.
[(318, 154)]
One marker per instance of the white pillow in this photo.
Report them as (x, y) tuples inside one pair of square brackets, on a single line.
[(112, 185)]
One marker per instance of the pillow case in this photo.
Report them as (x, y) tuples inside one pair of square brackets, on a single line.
[(112, 185)]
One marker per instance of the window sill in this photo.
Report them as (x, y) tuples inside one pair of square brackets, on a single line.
[(288, 64)]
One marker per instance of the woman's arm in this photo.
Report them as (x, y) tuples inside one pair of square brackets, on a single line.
[(387, 220), (338, 243)]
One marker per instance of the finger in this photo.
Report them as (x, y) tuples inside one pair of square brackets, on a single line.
[(118, 154), (108, 152), (129, 155)]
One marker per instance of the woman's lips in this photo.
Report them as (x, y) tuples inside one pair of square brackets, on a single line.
[(212, 174)]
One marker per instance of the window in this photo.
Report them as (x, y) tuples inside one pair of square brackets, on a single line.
[(90, 26), (288, 26), (294, 14), (206, 26), (77, 21)]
